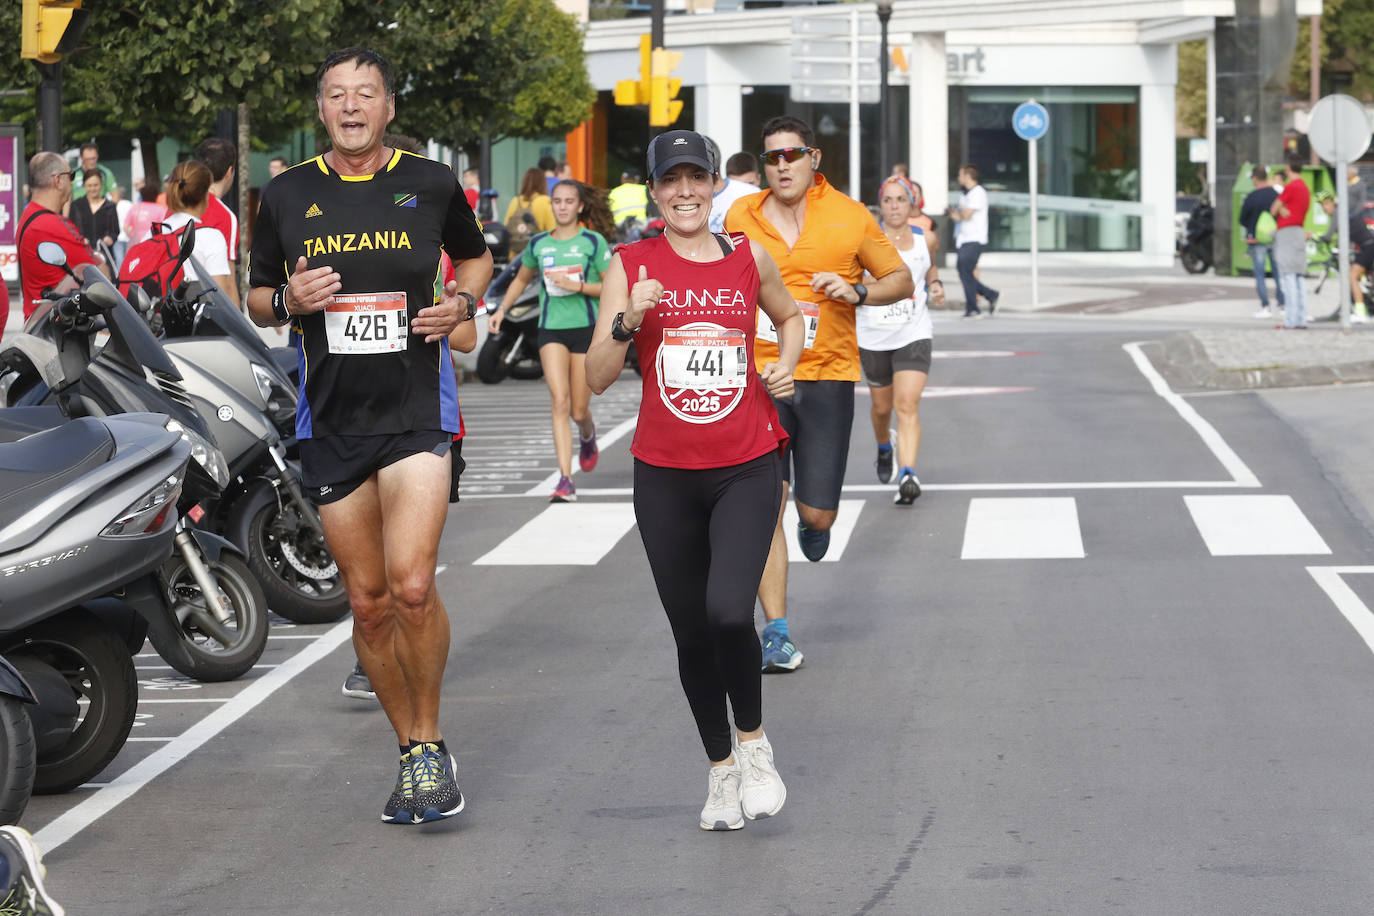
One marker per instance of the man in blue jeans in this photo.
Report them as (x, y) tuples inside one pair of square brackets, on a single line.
[(970, 235), (1258, 202)]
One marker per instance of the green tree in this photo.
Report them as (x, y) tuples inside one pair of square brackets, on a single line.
[(471, 68), (1346, 50), (1190, 93)]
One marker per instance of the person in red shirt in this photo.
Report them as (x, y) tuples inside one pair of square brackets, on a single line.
[(1290, 242), (707, 448), (50, 190), (220, 156)]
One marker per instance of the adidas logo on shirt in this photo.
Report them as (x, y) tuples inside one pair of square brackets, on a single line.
[(314, 211)]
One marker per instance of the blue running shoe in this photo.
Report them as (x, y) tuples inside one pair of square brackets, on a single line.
[(813, 543), (26, 895), (780, 654), (437, 795), (397, 810)]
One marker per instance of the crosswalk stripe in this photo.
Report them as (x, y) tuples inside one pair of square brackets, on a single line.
[(570, 534), (1254, 525), (845, 521), (1024, 528)]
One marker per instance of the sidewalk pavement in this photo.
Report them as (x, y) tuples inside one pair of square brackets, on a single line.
[(1226, 348), (1223, 348)]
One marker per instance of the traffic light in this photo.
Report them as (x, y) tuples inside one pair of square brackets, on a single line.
[(636, 92), (663, 105), (51, 28)]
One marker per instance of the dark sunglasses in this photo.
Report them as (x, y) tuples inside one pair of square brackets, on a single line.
[(71, 176), (790, 153)]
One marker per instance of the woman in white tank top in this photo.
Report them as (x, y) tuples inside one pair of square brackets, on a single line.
[(895, 342)]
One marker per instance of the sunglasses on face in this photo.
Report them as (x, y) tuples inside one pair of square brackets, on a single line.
[(71, 176), (790, 153)]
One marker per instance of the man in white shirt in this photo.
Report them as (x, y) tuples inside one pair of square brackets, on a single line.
[(970, 235), (726, 192)]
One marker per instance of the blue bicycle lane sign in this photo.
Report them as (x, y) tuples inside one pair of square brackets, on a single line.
[(1030, 120)]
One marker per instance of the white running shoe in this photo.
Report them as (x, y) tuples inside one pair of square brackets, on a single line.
[(722, 809), (762, 793), (1263, 313)]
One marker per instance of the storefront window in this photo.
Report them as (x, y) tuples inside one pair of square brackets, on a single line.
[(1089, 164)]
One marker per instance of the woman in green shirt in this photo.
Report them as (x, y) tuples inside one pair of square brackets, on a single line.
[(568, 260)]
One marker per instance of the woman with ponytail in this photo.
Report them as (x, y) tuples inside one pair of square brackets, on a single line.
[(188, 195)]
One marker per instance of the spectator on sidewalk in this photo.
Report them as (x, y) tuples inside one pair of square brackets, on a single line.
[(94, 213), (275, 166), (90, 161), (1290, 241), (725, 191), (147, 213), (219, 156), (1260, 244), (549, 166), (50, 190), (969, 238), (743, 167), (1359, 191)]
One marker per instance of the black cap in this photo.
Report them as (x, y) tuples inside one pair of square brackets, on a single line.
[(676, 147)]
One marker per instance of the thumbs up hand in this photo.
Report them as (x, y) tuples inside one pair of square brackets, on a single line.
[(644, 295)]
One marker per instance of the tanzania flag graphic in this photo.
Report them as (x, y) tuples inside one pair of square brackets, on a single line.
[(406, 200)]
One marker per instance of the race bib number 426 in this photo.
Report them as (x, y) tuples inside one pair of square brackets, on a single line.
[(366, 323), (702, 371)]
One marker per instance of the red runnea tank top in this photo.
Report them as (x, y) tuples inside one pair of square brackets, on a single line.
[(703, 404)]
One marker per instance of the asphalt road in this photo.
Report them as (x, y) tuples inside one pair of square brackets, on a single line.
[(1111, 661)]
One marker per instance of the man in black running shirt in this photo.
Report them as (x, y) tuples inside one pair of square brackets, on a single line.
[(345, 250)]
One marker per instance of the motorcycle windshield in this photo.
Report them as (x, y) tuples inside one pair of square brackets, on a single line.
[(216, 315), (131, 343)]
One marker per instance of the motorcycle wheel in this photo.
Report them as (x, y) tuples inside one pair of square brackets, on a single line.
[(97, 665), (527, 369), (1193, 260), (491, 359), (289, 559), (18, 759), (216, 652)]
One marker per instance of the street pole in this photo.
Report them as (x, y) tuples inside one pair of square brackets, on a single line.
[(884, 14), (854, 105), (655, 42), (1035, 225), (1343, 238), (50, 107)]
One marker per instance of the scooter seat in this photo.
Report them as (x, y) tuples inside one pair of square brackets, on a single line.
[(32, 468), (19, 422)]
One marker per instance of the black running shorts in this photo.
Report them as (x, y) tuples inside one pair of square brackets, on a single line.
[(879, 365), (334, 466), (577, 340), (817, 418)]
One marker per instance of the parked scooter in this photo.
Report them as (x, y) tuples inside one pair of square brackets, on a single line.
[(233, 377), (514, 351), (87, 510), (219, 607), (1195, 251)]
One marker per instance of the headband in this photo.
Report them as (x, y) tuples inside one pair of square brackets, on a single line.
[(906, 186)]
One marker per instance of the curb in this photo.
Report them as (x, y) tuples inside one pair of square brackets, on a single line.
[(1184, 363)]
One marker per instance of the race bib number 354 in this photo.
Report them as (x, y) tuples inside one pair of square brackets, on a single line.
[(366, 323)]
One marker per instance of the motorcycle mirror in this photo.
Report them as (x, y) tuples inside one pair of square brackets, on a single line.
[(188, 240), (52, 254)]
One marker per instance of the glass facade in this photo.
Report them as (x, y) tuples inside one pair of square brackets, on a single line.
[(1089, 164)]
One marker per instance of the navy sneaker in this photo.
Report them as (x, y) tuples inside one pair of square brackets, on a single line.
[(357, 685), (992, 302), (397, 810), (813, 543), (884, 464), (437, 795), (780, 654)]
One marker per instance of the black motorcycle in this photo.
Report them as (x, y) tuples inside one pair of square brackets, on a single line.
[(1195, 251), (514, 350)]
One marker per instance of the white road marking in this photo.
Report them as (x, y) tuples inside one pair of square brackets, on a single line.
[(1023, 528), (568, 534), (1067, 485), (83, 814), (545, 486), (845, 520), (1238, 470), (142, 702), (1254, 526), (1331, 580), (151, 740)]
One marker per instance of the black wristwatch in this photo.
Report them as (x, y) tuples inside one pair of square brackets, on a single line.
[(472, 305), (279, 311), (862, 292), (620, 332)]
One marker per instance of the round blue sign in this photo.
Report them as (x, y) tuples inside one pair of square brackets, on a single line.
[(1030, 120)]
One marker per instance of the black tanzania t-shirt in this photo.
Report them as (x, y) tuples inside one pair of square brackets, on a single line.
[(362, 371)]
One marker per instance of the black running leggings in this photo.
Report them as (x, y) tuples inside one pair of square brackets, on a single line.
[(707, 534)]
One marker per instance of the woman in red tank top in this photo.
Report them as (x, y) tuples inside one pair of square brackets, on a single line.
[(708, 482)]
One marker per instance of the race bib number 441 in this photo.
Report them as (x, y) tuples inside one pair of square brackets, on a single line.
[(702, 371), (366, 323), (811, 314)]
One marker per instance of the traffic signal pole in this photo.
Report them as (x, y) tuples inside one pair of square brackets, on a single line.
[(50, 107), (655, 41)]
